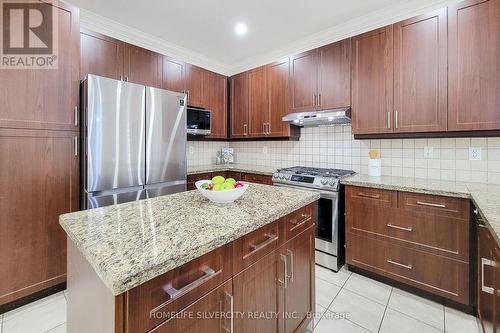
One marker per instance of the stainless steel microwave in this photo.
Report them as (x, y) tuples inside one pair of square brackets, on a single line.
[(199, 121)]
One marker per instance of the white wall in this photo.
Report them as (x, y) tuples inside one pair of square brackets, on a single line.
[(335, 147)]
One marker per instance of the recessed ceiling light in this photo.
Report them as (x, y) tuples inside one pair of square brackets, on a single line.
[(240, 29)]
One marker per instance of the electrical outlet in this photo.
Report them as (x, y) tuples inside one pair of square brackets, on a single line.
[(264, 150), (428, 152), (474, 154), (191, 150)]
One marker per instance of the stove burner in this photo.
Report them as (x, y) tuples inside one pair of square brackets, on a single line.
[(322, 172)]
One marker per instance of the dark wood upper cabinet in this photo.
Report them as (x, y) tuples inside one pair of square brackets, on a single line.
[(303, 81), (172, 74), (334, 75), (420, 73), (372, 82), (258, 108), (100, 55), (214, 99), (239, 105), (194, 85), (45, 99), (142, 66), (40, 181), (277, 87), (474, 65)]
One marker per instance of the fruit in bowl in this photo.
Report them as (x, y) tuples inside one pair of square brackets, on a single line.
[(221, 190)]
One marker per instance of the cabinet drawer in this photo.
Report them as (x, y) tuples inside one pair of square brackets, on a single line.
[(198, 176), (442, 235), (372, 196), (254, 178), (299, 221), (233, 174), (433, 204), (176, 289), (436, 274), (250, 248)]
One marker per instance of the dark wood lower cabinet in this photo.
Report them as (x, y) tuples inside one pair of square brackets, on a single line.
[(211, 313)]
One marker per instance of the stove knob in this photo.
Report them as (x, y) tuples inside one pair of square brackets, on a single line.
[(332, 182), (282, 176), (288, 176), (324, 181)]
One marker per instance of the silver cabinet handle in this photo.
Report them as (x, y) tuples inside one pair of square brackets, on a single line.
[(399, 228), (126, 78), (290, 277), (319, 99), (268, 128), (269, 239), (297, 224), (75, 145), (314, 99), (388, 119), (75, 110), (284, 283), (245, 128), (231, 307), (371, 196), (187, 96), (486, 289), (396, 119), (422, 203), (399, 264), (121, 77), (175, 293)]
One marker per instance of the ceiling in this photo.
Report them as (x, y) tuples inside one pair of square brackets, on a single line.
[(203, 30)]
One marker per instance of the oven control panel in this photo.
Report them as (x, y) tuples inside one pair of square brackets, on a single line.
[(328, 183)]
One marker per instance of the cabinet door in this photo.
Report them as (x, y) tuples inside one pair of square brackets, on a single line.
[(46, 98), (474, 65), (142, 66), (214, 96), (258, 290), (277, 87), (100, 55), (420, 77), (372, 82), (334, 75), (211, 313), (239, 105), (486, 279), (303, 81), (40, 181), (194, 85), (299, 293), (173, 74), (258, 109)]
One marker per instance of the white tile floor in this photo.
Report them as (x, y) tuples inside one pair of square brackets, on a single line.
[(346, 302)]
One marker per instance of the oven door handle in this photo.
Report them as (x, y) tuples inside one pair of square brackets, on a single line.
[(324, 194)]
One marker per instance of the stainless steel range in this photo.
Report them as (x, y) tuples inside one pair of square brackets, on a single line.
[(330, 214)]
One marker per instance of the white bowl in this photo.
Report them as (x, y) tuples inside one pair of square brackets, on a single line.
[(221, 197)]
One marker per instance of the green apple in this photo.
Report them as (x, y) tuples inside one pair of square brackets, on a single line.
[(227, 186), (231, 180), (218, 180), (217, 187), (204, 186)]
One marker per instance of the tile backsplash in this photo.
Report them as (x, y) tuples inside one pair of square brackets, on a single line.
[(335, 147)]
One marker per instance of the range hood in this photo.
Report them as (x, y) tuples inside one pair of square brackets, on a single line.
[(320, 118)]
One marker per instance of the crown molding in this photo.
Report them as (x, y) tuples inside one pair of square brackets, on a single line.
[(92, 21), (374, 20)]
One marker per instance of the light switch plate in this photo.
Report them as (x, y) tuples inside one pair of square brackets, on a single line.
[(428, 152), (474, 154)]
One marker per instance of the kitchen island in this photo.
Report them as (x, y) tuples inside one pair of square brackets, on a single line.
[(180, 263)]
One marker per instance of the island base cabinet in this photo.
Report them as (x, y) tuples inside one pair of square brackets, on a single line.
[(211, 313)]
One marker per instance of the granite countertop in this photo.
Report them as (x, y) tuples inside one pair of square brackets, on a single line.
[(132, 243), (261, 170), (485, 197)]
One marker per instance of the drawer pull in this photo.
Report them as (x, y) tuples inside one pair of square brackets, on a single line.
[(290, 254), (284, 282), (269, 239), (429, 204), (409, 229), (304, 220), (175, 293), (231, 308), (486, 289), (371, 196), (399, 264)]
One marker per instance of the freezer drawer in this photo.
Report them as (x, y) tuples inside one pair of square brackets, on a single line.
[(114, 119), (165, 136)]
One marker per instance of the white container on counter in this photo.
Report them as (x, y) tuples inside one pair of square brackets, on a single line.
[(374, 167)]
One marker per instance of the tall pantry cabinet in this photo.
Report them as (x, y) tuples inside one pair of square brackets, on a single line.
[(39, 165)]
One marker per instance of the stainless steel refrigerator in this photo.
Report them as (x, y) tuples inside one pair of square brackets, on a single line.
[(134, 142)]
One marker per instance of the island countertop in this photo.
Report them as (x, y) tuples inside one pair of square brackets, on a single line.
[(132, 243)]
